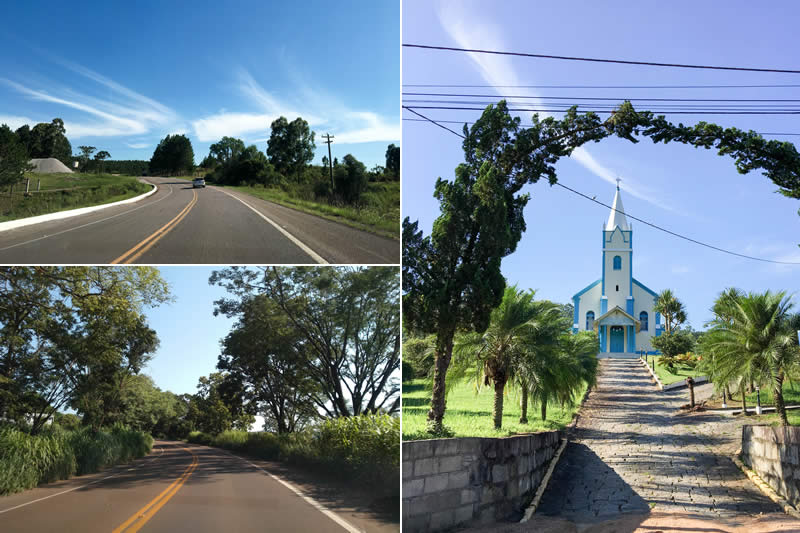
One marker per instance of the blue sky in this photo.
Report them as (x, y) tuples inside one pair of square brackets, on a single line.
[(687, 190), (122, 75)]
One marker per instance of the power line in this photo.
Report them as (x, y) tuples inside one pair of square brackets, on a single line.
[(711, 246), (601, 105), (597, 60), (607, 111), (489, 86), (603, 98), (531, 125)]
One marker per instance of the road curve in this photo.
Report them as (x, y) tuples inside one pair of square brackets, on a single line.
[(181, 225), (178, 487)]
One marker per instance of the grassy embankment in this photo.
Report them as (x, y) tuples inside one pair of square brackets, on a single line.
[(27, 461), (470, 415), (365, 449), (681, 371), (59, 192)]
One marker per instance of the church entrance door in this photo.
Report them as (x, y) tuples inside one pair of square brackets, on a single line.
[(617, 339)]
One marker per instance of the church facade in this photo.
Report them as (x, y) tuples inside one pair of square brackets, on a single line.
[(618, 306)]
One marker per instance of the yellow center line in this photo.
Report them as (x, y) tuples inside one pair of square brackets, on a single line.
[(136, 252), (141, 517)]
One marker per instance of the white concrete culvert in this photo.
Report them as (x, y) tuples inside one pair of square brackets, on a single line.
[(49, 165)]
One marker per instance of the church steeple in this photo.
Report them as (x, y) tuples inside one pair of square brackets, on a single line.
[(617, 215)]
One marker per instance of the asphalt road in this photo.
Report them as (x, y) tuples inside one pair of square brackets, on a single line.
[(181, 225), (180, 487)]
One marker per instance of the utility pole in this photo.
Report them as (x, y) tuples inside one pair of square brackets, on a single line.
[(328, 140)]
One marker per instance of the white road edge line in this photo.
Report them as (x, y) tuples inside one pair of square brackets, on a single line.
[(315, 504), (74, 488), (314, 255), (88, 223), (22, 222)]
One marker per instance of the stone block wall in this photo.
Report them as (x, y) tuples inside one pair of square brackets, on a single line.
[(447, 482), (774, 454)]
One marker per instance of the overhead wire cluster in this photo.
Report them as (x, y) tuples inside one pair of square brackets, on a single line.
[(414, 101)]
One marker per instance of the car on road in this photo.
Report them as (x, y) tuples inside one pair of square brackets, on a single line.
[(198, 182)]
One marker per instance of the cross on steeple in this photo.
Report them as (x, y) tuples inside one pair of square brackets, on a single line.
[(618, 180)]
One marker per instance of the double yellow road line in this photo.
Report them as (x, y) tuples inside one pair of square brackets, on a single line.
[(140, 517), (136, 252)]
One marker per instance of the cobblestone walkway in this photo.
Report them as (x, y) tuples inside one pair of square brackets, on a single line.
[(633, 451)]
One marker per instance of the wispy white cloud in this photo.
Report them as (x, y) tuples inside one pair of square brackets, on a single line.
[(137, 146), (472, 31), (680, 269), (131, 113), (15, 122), (321, 111), (785, 252)]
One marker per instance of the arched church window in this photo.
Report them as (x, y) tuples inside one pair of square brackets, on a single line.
[(617, 288), (589, 320), (617, 262), (643, 320)]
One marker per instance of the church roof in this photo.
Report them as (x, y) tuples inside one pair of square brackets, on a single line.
[(617, 311), (617, 215)]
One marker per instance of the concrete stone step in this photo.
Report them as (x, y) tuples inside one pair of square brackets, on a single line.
[(617, 355)]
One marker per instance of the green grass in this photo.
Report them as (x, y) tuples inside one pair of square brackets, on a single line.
[(791, 396), (363, 448), (470, 415), (27, 461), (380, 215), (667, 377), (60, 192)]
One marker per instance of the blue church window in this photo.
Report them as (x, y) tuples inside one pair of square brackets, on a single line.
[(643, 320), (617, 262), (589, 320)]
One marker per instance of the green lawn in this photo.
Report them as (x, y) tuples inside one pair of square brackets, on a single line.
[(380, 214), (59, 192), (470, 415), (791, 396), (667, 377)]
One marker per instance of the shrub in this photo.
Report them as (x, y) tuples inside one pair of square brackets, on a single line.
[(28, 460)]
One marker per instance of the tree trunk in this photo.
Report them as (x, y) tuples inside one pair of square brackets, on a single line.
[(780, 406), (744, 399), (497, 411), (523, 419), (543, 405), (690, 383), (725, 395), (444, 351)]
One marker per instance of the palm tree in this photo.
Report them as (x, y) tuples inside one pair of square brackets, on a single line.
[(671, 309), (519, 328), (752, 340)]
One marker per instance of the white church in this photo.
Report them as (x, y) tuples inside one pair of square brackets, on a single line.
[(618, 306)]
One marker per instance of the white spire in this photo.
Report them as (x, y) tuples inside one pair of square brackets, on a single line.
[(617, 215)]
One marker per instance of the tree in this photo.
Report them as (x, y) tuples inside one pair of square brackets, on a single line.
[(393, 160), (50, 140), (69, 335), (351, 179), (217, 406), (13, 158), (291, 146), (348, 322), (100, 157), (226, 150), (173, 155), (452, 278), (265, 354), (86, 154), (673, 344), (520, 329), (671, 309), (755, 338)]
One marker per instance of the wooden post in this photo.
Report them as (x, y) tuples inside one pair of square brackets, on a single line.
[(328, 140), (27, 185)]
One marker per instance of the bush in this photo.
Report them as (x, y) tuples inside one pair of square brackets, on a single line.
[(365, 447), (29, 460)]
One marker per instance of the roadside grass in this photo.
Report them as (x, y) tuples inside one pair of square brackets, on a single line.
[(470, 415), (364, 448), (380, 213), (60, 192), (27, 461), (681, 372)]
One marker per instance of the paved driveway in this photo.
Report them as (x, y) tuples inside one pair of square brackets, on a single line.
[(633, 450)]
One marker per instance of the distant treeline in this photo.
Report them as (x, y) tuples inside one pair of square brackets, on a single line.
[(127, 167)]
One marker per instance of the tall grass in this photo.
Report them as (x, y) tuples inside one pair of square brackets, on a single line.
[(27, 461), (364, 448)]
